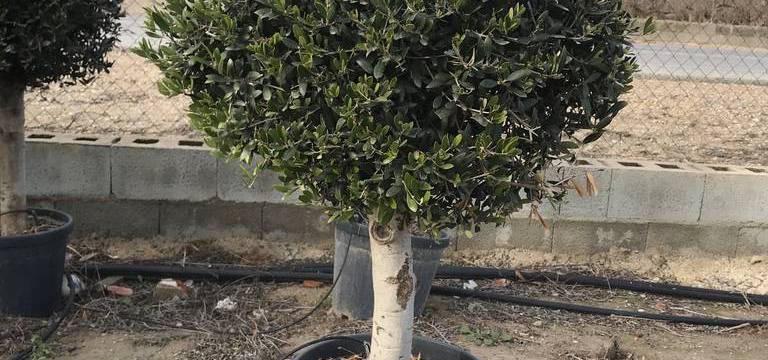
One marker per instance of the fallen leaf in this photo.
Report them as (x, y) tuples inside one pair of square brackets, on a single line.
[(591, 184), (535, 212), (575, 185), (312, 284), (120, 290)]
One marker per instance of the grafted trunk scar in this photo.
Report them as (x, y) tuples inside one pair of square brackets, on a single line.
[(404, 283)]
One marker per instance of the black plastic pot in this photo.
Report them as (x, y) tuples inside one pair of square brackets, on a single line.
[(32, 266), (353, 294), (338, 347)]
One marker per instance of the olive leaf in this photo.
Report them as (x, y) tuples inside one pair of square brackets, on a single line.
[(436, 115)]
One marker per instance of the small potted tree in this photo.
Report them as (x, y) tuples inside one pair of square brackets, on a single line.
[(408, 114), (41, 42)]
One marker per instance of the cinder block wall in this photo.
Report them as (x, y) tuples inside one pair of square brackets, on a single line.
[(144, 186)]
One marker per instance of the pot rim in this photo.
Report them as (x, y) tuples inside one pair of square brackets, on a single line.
[(40, 238), (419, 241), (366, 337)]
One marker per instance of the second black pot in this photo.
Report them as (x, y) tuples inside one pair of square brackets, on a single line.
[(32, 266)]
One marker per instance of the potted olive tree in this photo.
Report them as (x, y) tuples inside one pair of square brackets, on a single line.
[(41, 42), (410, 115)]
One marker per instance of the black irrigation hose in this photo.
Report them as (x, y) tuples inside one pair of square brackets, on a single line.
[(478, 273), (592, 310), (454, 272), (197, 272), (229, 274)]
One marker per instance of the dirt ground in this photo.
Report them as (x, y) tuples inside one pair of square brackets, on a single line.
[(666, 120), (137, 327)]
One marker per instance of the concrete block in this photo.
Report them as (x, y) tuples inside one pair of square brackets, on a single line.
[(515, 234), (735, 197), (68, 165), (584, 207), (113, 218), (587, 237), (645, 191), (214, 219), (682, 239), (752, 241), (232, 185), (163, 169), (296, 223)]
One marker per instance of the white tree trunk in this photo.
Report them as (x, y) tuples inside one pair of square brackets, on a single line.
[(393, 292), (12, 193)]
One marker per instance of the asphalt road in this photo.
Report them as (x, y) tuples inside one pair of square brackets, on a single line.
[(709, 63), (675, 61)]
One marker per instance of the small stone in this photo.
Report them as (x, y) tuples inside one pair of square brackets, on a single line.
[(538, 323), (757, 259), (312, 284), (470, 285), (120, 290), (169, 289), (227, 304)]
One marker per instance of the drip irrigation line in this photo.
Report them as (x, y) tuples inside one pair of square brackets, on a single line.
[(202, 273), (649, 287), (465, 273), (321, 275), (591, 310)]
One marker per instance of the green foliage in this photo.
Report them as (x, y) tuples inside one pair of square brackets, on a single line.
[(42, 42), (41, 350), (435, 113)]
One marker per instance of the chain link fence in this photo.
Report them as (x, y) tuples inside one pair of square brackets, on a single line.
[(701, 95)]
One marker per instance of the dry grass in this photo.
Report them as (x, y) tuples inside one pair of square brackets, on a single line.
[(735, 12)]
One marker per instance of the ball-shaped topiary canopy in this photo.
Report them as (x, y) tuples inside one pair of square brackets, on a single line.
[(66, 41), (434, 113)]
